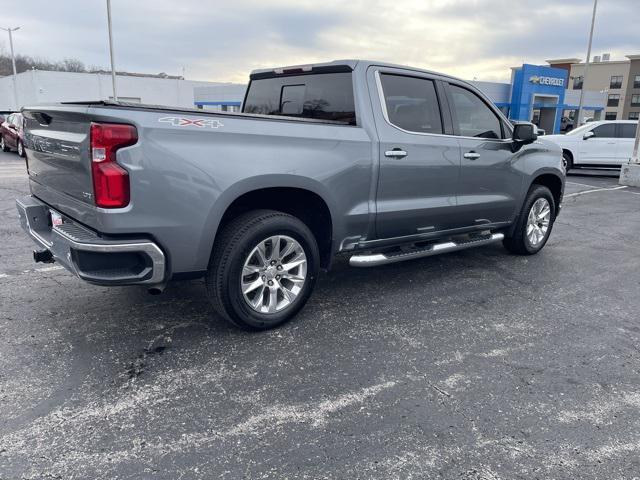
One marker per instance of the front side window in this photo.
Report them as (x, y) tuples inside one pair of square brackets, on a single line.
[(411, 103), (326, 96), (608, 130), (473, 116), (627, 130), (616, 81)]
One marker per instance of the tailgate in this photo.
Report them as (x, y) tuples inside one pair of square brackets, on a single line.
[(57, 143)]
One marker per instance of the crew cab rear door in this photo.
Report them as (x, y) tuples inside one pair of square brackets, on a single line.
[(419, 162)]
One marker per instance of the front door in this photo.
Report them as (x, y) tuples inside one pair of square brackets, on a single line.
[(489, 185), (600, 149), (419, 164)]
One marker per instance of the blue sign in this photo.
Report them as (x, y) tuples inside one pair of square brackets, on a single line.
[(537, 86)]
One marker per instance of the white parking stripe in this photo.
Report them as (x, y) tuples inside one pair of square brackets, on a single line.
[(582, 184), (595, 190)]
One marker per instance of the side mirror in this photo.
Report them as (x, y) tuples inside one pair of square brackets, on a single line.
[(588, 135), (524, 133)]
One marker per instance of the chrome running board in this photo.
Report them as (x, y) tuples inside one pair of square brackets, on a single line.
[(375, 259)]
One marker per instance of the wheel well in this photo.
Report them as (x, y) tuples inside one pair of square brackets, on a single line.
[(305, 205), (568, 152), (553, 183)]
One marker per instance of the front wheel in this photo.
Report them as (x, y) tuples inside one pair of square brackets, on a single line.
[(3, 146), (567, 161), (263, 269), (534, 223), (20, 149)]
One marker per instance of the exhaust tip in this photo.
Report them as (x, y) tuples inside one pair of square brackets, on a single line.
[(155, 290), (42, 256)]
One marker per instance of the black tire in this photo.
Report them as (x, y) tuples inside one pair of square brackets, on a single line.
[(234, 245), (20, 149), (3, 145), (567, 161), (518, 242)]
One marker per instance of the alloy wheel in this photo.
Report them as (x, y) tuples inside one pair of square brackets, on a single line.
[(274, 274), (538, 221)]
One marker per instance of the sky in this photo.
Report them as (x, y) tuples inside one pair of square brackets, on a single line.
[(225, 40)]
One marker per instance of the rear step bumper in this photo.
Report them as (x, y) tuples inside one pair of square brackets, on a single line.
[(91, 257), (375, 259)]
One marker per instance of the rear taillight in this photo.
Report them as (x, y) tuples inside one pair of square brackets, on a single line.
[(110, 180)]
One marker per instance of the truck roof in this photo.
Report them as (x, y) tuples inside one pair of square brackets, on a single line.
[(338, 65)]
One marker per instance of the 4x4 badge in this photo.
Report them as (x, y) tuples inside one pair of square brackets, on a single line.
[(188, 122)]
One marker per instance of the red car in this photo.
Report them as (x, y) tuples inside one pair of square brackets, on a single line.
[(11, 134)]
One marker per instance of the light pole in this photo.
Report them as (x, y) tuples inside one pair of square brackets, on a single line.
[(586, 67), (113, 68), (13, 63)]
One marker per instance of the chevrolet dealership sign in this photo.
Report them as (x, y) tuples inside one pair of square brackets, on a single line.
[(555, 82)]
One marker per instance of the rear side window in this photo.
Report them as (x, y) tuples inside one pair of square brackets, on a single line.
[(606, 130), (474, 117), (326, 96), (627, 130), (412, 103)]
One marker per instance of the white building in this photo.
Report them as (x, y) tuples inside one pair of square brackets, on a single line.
[(36, 86)]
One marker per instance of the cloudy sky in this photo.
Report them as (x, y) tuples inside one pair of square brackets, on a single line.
[(224, 40)]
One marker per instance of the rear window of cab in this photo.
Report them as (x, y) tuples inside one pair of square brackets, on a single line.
[(322, 96)]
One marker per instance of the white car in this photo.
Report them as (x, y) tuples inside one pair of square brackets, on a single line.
[(601, 143)]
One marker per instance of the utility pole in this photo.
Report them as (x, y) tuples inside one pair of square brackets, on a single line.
[(577, 121), (13, 63), (113, 68)]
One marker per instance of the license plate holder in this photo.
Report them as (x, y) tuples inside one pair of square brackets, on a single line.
[(56, 218)]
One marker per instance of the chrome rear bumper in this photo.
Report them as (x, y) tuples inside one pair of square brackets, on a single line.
[(92, 257)]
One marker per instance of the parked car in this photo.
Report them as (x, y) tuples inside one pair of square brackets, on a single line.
[(12, 135), (599, 143), (380, 162)]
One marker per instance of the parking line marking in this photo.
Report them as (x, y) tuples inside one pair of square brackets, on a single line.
[(595, 190), (582, 184)]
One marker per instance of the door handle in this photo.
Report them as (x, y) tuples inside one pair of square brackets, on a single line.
[(471, 155), (395, 153)]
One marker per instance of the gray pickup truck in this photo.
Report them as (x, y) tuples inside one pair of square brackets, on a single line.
[(381, 162)]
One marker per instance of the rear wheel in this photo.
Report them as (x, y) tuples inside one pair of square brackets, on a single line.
[(20, 149), (534, 223), (263, 269), (3, 145)]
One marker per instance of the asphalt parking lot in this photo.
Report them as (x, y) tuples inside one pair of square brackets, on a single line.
[(473, 365)]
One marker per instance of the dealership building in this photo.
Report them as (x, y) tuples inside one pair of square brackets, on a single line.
[(544, 94)]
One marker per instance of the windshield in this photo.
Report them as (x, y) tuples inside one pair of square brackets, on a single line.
[(580, 129)]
